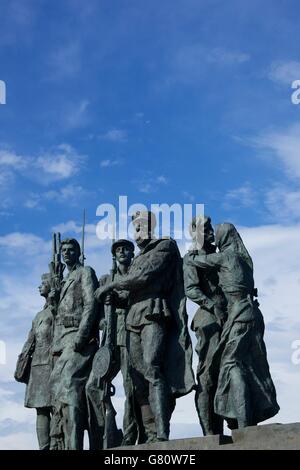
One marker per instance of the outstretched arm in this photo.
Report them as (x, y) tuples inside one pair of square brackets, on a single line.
[(161, 257), (214, 260)]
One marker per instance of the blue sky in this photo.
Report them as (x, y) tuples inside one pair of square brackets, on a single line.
[(178, 102)]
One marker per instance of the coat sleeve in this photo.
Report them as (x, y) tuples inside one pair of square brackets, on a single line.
[(89, 318), (214, 260), (29, 345), (192, 287), (161, 258)]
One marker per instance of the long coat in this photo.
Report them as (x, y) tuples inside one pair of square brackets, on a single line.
[(155, 283), (76, 322), (40, 339), (241, 344)]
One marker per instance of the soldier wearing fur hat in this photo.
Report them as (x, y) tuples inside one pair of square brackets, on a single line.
[(159, 344)]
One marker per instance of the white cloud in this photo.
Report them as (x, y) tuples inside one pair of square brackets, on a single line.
[(27, 243), (75, 115), (6, 180), (70, 193), (58, 163), (18, 441), (285, 146), (9, 158), (114, 135), (65, 61), (284, 72), (190, 63), (283, 203), (244, 196), (149, 184), (161, 179), (110, 162), (190, 197)]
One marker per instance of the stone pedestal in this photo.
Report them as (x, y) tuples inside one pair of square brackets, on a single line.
[(264, 437)]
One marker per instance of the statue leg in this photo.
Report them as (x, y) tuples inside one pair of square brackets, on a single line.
[(153, 344), (242, 398), (43, 427), (74, 424), (130, 429), (96, 420), (141, 386), (210, 422)]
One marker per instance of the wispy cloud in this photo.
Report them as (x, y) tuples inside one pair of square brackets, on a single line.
[(10, 159), (110, 162), (150, 184), (243, 196), (58, 163), (191, 62), (285, 146), (284, 72), (70, 193), (75, 115), (114, 135), (187, 195), (6, 179), (28, 243), (65, 61), (283, 204)]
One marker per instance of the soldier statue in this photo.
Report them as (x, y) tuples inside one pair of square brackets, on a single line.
[(202, 287), (123, 251), (245, 393), (74, 345), (159, 344), (34, 366)]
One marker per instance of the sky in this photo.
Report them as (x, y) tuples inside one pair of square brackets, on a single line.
[(177, 101)]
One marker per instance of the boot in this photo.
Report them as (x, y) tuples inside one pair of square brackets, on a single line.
[(148, 423), (159, 400)]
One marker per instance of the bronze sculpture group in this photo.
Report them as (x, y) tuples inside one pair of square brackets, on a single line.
[(140, 308)]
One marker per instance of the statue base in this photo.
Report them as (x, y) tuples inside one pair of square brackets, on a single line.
[(263, 437)]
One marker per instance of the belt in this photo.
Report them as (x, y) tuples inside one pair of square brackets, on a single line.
[(69, 322)]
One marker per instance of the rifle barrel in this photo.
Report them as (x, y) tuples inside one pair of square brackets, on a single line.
[(53, 246), (82, 238), (58, 244)]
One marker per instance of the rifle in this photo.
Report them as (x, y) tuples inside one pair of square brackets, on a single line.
[(82, 257), (104, 368), (56, 267)]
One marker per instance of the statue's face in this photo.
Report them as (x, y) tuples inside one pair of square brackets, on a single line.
[(142, 233), (124, 255), (203, 232), (44, 288), (69, 254), (209, 235)]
